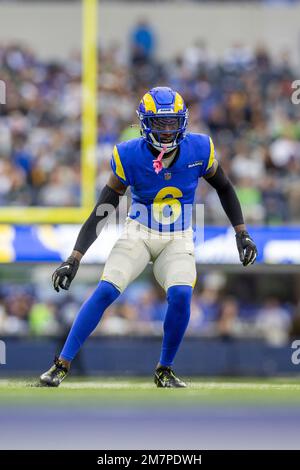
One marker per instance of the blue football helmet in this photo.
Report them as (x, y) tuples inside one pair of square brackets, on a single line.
[(163, 118)]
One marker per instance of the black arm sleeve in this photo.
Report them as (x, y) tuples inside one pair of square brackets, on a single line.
[(106, 204), (227, 195)]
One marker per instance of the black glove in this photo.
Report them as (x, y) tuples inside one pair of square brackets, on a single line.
[(246, 248), (64, 275)]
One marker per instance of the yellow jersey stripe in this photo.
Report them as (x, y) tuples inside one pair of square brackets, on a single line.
[(119, 167), (211, 155), (149, 103)]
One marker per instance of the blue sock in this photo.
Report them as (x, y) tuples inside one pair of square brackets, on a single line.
[(88, 318), (176, 322)]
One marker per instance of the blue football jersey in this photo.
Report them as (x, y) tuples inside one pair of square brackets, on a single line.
[(163, 201)]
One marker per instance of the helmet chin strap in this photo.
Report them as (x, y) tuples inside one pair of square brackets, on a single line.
[(158, 146), (167, 149)]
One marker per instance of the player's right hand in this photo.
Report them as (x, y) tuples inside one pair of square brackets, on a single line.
[(65, 273)]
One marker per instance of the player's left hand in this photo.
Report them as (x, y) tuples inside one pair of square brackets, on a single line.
[(246, 248)]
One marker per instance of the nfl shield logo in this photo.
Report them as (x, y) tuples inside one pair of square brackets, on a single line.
[(168, 176)]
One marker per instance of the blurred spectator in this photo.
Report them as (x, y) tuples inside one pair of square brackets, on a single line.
[(273, 322), (228, 325), (274, 201), (250, 199), (237, 58), (197, 57), (119, 320), (42, 320), (142, 43), (17, 306)]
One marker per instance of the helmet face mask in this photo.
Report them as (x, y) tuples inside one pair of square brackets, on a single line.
[(163, 118), (164, 131)]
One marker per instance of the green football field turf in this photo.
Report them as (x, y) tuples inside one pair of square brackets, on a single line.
[(131, 413), (138, 391)]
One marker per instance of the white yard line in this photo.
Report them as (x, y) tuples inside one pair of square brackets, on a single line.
[(127, 385)]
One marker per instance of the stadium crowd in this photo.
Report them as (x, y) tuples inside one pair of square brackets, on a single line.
[(243, 100), (36, 310)]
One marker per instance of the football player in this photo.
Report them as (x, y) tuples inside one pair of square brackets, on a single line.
[(162, 168)]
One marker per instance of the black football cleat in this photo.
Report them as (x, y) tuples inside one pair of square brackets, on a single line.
[(55, 375), (165, 378)]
